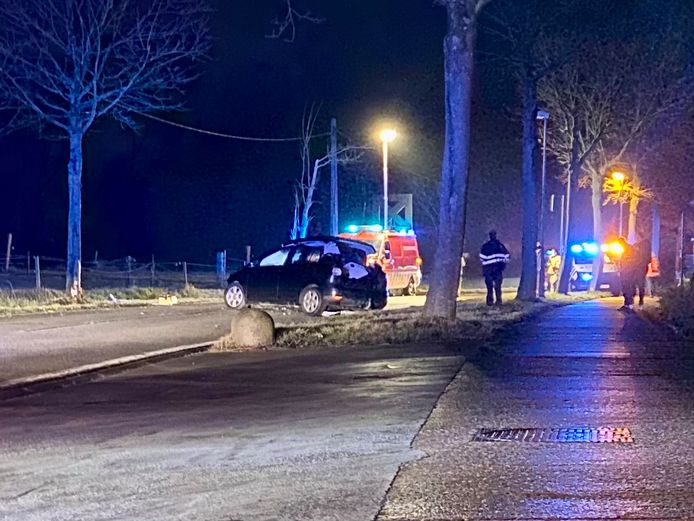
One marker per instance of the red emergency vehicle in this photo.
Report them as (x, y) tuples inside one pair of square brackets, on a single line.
[(396, 252)]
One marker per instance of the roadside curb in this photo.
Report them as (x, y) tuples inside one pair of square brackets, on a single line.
[(45, 381)]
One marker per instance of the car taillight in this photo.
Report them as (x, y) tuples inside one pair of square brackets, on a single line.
[(419, 261)]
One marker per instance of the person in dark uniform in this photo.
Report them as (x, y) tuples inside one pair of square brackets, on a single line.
[(643, 259), (494, 257), (628, 273)]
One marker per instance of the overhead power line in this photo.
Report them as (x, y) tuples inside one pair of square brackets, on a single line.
[(228, 136)]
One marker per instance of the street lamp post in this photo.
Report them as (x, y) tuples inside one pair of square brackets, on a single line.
[(620, 177), (543, 116), (387, 135)]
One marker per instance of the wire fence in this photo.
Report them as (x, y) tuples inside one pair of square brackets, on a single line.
[(42, 272)]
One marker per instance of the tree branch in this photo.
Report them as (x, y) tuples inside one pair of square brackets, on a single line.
[(285, 27)]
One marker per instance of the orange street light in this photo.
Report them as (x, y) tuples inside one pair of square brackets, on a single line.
[(387, 135)]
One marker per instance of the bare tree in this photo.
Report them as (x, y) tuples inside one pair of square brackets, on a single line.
[(65, 63), (306, 187), (654, 87), (458, 50), (636, 82), (532, 49), (581, 101)]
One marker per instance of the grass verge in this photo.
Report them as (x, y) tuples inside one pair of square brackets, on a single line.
[(677, 309), (475, 321), (49, 301)]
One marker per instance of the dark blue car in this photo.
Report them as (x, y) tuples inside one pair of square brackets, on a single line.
[(318, 274)]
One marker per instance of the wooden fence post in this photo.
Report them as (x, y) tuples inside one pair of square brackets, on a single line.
[(129, 261), (37, 271), (9, 252), (153, 271)]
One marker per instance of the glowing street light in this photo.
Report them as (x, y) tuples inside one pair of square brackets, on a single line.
[(618, 176), (387, 135)]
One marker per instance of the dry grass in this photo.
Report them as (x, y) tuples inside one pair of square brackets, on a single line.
[(47, 300), (475, 321), (677, 309)]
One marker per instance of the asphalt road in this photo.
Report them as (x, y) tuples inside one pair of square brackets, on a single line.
[(46, 343), (300, 436), (41, 343)]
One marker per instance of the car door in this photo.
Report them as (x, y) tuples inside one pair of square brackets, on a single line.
[(298, 272), (264, 278)]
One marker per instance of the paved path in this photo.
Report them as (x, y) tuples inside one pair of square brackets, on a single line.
[(583, 365)]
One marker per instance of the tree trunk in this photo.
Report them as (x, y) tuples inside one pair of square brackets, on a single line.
[(567, 260), (73, 278), (528, 279), (308, 204), (458, 63), (294, 231), (633, 211), (596, 200)]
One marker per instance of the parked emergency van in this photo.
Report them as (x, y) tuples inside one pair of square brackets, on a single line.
[(396, 252)]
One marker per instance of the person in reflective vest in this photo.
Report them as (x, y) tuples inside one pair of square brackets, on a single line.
[(553, 265), (494, 257)]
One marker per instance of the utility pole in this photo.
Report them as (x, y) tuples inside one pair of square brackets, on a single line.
[(679, 260), (562, 216), (9, 252), (333, 179), (543, 116)]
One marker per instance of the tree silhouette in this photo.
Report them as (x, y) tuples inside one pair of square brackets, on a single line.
[(65, 63), (458, 51)]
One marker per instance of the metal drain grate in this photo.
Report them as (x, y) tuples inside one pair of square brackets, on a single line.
[(570, 435)]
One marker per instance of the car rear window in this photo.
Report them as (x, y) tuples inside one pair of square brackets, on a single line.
[(277, 258), (348, 254), (304, 254)]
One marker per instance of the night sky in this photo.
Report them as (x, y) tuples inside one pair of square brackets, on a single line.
[(181, 195)]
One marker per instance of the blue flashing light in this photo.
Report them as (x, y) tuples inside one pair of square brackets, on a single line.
[(591, 248), (353, 228), (411, 232), (586, 277), (403, 231), (376, 228), (576, 248)]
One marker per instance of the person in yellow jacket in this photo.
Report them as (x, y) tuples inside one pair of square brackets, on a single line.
[(552, 268)]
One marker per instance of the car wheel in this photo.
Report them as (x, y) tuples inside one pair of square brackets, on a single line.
[(378, 302), (411, 288), (311, 301), (235, 296)]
